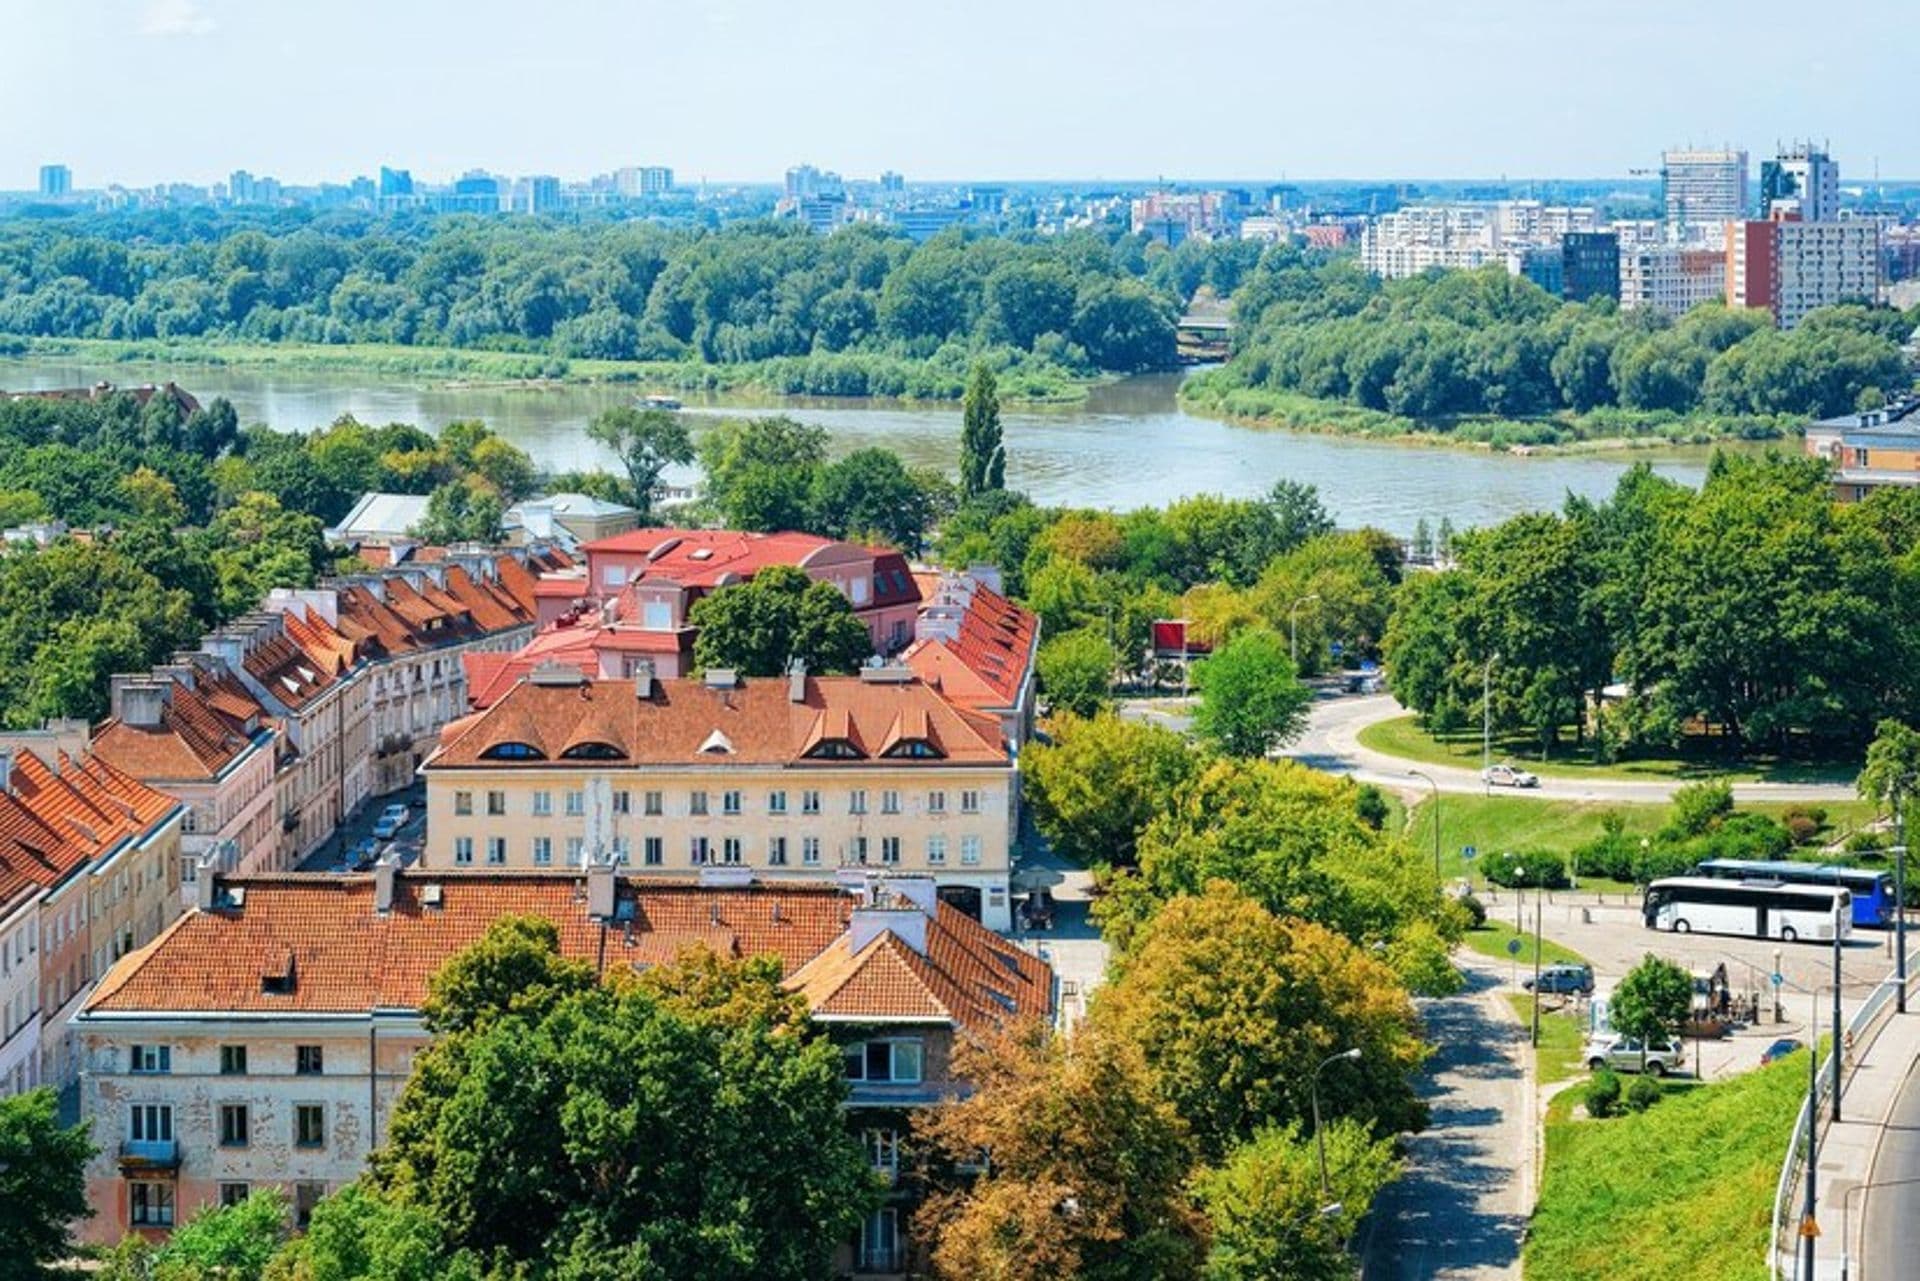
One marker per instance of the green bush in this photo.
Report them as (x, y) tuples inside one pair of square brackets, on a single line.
[(1527, 869), (1660, 860), (1603, 1095), (1611, 856), (1642, 1094), (1699, 807), (1474, 909)]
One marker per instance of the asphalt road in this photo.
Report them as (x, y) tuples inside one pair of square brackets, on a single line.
[(1890, 1235), (359, 826)]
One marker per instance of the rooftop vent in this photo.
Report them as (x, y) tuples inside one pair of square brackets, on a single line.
[(434, 895), (722, 678), (700, 553), (557, 674)]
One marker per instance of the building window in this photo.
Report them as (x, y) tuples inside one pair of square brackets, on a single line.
[(308, 1060), (462, 803), (653, 852), (936, 802), (937, 850), (858, 850), (150, 1059), (809, 802), (890, 849), (543, 851), (542, 804), (310, 1125), (697, 850), (697, 804), (233, 1125), (150, 1204), (497, 850), (889, 802), (232, 1194), (655, 805), (730, 804), (969, 802), (576, 850), (880, 1248), (305, 1197), (623, 802), (883, 1152), (883, 1062), (776, 851), (233, 1060), (776, 802), (496, 804), (151, 1123), (857, 801), (463, 849), (969, 850), (810, 851), (622, 850), (730, 851), (576, 804)]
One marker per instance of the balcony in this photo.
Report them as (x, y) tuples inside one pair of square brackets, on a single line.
[(149, 1154), (897, 1094)]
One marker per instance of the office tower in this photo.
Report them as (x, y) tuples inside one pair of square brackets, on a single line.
[(1708, 187), (56, 180), (1803, 181), (1589, 265), (395, 182)]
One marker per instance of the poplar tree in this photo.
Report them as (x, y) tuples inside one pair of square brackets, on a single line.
[(983, 458)]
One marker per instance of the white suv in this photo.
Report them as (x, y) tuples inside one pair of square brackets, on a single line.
[(1622, 1054)]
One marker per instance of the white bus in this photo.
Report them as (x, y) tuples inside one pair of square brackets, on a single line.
[(1753, 909)]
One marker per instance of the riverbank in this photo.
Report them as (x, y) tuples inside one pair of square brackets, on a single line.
[(851, 375), (1212, 393)]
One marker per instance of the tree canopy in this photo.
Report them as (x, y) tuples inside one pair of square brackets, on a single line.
[(759, 627), (43, 1189), (1251, 701)]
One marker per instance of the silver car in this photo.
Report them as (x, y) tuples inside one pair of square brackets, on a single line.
[(1622, 1054), (1505, 775)]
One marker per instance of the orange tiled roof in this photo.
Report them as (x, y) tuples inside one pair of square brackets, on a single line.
[(757, 718), (204, 728), (287, 671), (346, 957), (995, 644), (52, 821)]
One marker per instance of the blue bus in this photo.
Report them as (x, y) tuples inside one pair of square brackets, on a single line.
[(1873, 898)]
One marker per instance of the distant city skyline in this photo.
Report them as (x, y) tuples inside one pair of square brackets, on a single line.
[(139, 92)]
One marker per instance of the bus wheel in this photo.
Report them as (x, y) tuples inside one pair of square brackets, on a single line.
[(1788, 934), (1681, 927)]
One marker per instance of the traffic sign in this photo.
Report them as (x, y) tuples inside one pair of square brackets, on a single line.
[(1333, 647), (1468, 853), (1778, 978), (1513, 947), (1808, 1228)]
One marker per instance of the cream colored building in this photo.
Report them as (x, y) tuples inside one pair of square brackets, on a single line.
[(796, 777)]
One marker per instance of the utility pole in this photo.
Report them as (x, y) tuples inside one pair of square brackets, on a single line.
[(1486, 718), (1900, 895), (1539, 893), (1812, 1171), (1838, 1047)]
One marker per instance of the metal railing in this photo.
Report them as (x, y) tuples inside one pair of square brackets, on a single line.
[(1783, 1259)]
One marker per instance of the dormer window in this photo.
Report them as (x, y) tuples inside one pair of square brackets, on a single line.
[(717, 744), (834, 749), (595, 751), (513, 751), (917, 749)]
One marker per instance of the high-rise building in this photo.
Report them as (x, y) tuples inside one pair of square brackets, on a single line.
[(1803, 181), (56, 180), (1671, 278), (241, 188), (1790, 267), (804, 182), (1589, 265), (892, 183), (1704, 186), (538, 194), (637, 181), (395, 182)]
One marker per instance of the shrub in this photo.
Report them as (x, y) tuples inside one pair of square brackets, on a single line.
[(1603, 1094), (1527, 870), (1642, 1094), (1474, 910), (1661, 860), (1699, 807), (1611, 856), (1370, 803)]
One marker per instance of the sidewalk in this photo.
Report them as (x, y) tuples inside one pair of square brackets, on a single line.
[(1847, 1150)]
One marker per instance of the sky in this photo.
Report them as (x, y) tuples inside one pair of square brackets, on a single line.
[(140, 91)]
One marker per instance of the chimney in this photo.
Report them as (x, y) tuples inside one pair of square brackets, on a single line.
[(797, 681), (206, 886), (385, 873), (600, 891), (722, 678), (6, 771), (885, 912), (143, 704), (643, 679)]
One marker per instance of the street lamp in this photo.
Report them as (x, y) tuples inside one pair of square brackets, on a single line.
[(1293, 629), (1486, 716), (1900, 892), (1319, 1138), (1428, 779)]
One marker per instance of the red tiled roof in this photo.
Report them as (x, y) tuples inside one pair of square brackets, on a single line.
[(287, 671), (204, 728), (711, 557), (757, 718), (53, 821), (994, 644), (346, 957)]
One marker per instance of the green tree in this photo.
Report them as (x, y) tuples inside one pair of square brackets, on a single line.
[(1267, 1210), (646, 442), (983, 455), (1651, 1003), (1096, 784), (258, 545), (462, 511), (1076, 671), (233, 1243), (871, 493), (757, 628), (1298, 513), (358, 1235), (1251, 702), (43, 1188), (759, 474)]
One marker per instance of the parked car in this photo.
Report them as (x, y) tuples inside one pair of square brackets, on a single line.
[(1780, 1049), (1622, 1054), (364, 854), (391, 820), (1505, 775), (1564, 980)]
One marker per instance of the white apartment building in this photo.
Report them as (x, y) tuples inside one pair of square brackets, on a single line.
[(1708, 187), (1464, 235), (1824, 263), (1671, 278)]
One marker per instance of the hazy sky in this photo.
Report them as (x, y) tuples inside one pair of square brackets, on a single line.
[(136, 91)]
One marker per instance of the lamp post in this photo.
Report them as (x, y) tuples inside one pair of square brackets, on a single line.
[(1293, 629), (1838, 1045), (1319, 1137), (1428, 780), (1900, 894), (1486, 717), (1812, 1174)]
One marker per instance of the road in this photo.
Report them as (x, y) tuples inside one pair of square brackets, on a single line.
[(1890, 1234), (360, 826), (1459, 1209)]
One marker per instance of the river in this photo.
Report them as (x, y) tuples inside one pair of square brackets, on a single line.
[(1128, 445)]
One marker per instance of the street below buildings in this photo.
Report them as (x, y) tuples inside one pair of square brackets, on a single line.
[(331, 852)]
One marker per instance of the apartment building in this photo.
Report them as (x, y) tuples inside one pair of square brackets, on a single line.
[(1704, 187), (1875, 449), (977, 648), (192, 730), (89, 872), (1671, 278), (263, 1040), (798, 777), (1466, 234), (1789, 267)]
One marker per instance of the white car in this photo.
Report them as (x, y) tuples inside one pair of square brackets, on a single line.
[(1622, 1054), (1504, 775), (391, 820)]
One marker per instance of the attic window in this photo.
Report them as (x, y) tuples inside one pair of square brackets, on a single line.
[(700, 553), (1001, 999), (918, 749), (277, 974), (717, 744), (513, 752), (834, 749), (1012, 966), (595, 751)]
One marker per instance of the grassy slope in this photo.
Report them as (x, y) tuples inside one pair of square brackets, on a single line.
[(1402, 736), (1561, 1038), (1682, 1191), (1492, 938)]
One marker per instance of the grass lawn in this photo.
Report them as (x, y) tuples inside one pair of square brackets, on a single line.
[(1681, 1191), (1402, 736), (1506, 822), (1492, 938), (1562, 1037)]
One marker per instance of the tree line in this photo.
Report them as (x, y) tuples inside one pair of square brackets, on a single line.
[(1449, 345)]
